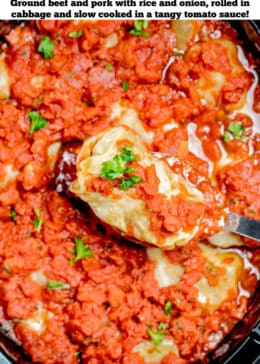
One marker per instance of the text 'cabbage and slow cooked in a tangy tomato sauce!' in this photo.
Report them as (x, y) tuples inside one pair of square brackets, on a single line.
[(123, 147)]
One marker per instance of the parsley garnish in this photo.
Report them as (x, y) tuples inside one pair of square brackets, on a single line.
[(117, 168), (13, 214), (226, 136), (109, 67), (46, 47), (129, 182), (138, 30), (75, 34), (125, 85), (126, 154), (162, 327), (168, 308), (156, 336), (37, 223), (81, 251), (235, 129), (37, 121), (57, 285)]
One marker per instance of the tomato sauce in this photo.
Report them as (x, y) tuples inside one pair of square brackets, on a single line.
[(72, 290)]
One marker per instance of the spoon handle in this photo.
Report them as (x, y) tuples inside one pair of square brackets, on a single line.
[(243, 226)]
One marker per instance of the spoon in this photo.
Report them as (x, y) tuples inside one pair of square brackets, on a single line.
[(243, 226)]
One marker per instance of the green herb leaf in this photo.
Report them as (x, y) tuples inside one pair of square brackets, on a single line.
[(75, 34), (237, 129), (156, 336), (113, 169), (37, 223), (162, 327), (13, 214), (127, 154), (138, 30), (129, 170), (37, 121), (129, 182), (78, 353), (109, 67), (125, 85), (117, 168), (168, 308), (46, 47), (81, 251), (226, 136), (57, 285)]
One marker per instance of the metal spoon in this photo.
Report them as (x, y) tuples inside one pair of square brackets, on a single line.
[(243, 226)]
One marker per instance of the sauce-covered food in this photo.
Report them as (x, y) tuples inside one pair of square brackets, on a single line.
[(155, 126)]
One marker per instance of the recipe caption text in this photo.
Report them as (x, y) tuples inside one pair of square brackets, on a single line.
[(130, 9)]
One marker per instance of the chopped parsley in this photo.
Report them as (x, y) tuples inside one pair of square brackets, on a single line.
[(46, 47), (109, 67), (162, 327), (167, 308), (13, 214), (81, 251), (37, 223), (127, 154), (129, 182), (78, 353), (226, 136), (116, 168), (75, 34), (57, 285), (156, 336), (125, 85), (37, 121), (235, 130), (138, 30)]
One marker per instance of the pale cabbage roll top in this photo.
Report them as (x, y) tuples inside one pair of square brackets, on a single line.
[(126, 210)]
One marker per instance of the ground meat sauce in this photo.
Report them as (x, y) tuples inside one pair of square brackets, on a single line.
[(71, 289)]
